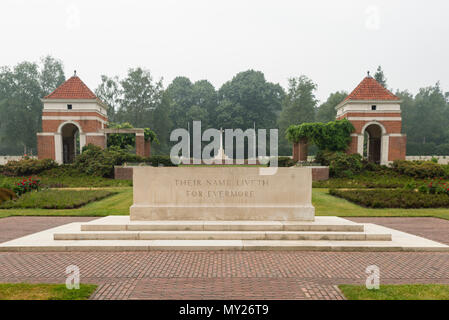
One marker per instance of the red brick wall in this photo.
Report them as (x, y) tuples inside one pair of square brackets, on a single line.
[(352, 148), (96, 140), (397, 148), (74, 113), (86, 125), (390, 126), (46, 147)]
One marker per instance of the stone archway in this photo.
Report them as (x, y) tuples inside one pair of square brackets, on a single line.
[(373, 133), (70, 139)]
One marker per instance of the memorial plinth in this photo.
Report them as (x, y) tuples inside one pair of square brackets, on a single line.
[(221, 193)]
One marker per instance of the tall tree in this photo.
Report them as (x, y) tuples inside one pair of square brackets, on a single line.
[(298, 107), (51, 75), (110, 92), (326, 111), (249, 98), (380, 77), (182, 98), (141, 95)]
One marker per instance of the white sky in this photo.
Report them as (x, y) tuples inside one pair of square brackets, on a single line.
[(334, 42)]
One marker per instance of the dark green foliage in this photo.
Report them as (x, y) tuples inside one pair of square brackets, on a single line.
[(284, 162), (99, 162), (340, 164), (26, 167), (419, 169), (331, 136), (95, 161), (384, 178), (160, 161), (57, 199), (393, 198)]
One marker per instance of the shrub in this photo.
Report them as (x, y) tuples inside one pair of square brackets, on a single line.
[(26, 167), (6, 194), (26, 185), (398, 198), (419, 169), (284, 162), (334, 135), (160, 161), (340, 164), (96, 161), (436, 186)]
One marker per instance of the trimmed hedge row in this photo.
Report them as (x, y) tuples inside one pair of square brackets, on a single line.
[(26, 167), (399, 198), (420, 169)]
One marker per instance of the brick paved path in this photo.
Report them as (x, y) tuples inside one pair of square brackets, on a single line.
[(431, 228), (222, 275)]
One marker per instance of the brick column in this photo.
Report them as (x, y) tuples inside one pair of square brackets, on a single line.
[(140, 145), (147, 149), (300, 150)]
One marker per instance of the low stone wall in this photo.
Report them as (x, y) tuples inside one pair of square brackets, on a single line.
[(123, 173), (441, 159), (126, 173), (5, 159), (320, 173)]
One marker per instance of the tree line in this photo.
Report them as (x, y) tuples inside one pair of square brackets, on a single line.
[(246, 100)]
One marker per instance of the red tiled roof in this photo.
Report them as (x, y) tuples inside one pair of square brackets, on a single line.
[(73, 88), (370, 89)]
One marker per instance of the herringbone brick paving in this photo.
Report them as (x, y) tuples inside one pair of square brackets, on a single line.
[(225, 275)]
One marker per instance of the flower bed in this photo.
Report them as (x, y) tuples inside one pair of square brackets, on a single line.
[(393, 198), (26, 185)]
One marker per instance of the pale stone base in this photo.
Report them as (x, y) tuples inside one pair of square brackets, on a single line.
[(222, 213), (119, 233)]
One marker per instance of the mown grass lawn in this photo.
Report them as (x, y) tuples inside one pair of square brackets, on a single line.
[(327, 205), (25, 291), (397, 292), (117, 204)]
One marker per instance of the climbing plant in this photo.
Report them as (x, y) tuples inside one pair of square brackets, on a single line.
[(331, 136)]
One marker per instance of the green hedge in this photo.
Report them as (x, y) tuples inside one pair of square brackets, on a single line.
[(28, 167), (397, 198), (420, 169), (341, 165), (284, 162), (56, 199)]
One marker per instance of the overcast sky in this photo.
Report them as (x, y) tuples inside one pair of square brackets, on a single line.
[(333, 42)]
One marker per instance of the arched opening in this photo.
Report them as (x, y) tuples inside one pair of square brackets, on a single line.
[(373, 143), (70, 142)]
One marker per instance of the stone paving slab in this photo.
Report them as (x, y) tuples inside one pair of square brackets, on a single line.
[(44, 241)]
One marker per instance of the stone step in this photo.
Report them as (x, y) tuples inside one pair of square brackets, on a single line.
[(223, 226), (223, 235)]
